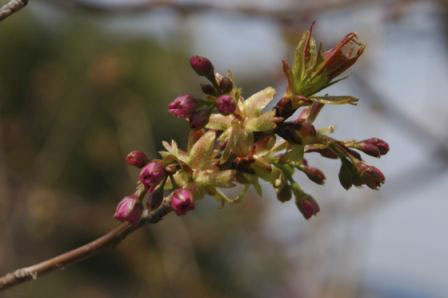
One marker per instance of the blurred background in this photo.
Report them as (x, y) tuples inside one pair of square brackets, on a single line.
[(82, 83)]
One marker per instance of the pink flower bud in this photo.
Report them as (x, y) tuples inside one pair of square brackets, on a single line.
[(315, 175), (369, 149), (129, 209), (342, 56), (382, 146), (199, 119), (370, 175), (307, 205), (225, 104), (152, 174), (137, 158), (202, 66), (182, 201), (183, 106)]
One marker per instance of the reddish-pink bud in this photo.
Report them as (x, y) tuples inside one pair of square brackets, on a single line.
[(137, 158), (152, 174), (182, 201), (382, 145), (342, 56), (183, 106), (370, 175), (226, 104), (129, 209), (202, 66), (315, 175), (369, 149), (307, 205), (199, 119)]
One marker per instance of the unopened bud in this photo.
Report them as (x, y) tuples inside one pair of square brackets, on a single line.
[(382, 145), (284, 108), (370, 175), (289, 132), (369, 149), (199, 119), (152, 174), (226, 104), (208, 89), (183, 106), (284, 193), (315, 175), (182, 201), (307, 205), (137, 159), (225, 85), (129, 209), (202, 66)]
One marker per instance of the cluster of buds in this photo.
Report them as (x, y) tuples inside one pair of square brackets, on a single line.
[(234, 141)]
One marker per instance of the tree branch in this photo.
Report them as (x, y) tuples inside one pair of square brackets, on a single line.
[(110, 239), (11, 7)]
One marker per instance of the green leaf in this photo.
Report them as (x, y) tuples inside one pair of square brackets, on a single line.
[(216, 178), (202, 151), (173, 151), (256, 102), (264, 122), (295, 154), (181, 178), (219, 121), (241, 141), (336, 100)]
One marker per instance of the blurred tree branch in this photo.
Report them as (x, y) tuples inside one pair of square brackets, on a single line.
[(11, 7), (295, 13), (110, 239)]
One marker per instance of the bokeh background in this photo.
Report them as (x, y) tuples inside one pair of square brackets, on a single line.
[(84, 82)]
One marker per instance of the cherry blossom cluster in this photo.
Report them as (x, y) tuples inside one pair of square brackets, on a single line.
[(236, 142)]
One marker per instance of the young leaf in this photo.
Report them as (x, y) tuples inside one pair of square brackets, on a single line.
[(219, 121), (264, 122), (202, 151), (336, 100), (216, 178), (256, 102)]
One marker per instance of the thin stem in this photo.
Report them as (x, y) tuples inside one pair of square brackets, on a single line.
[(110, 239), (11, 7)]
